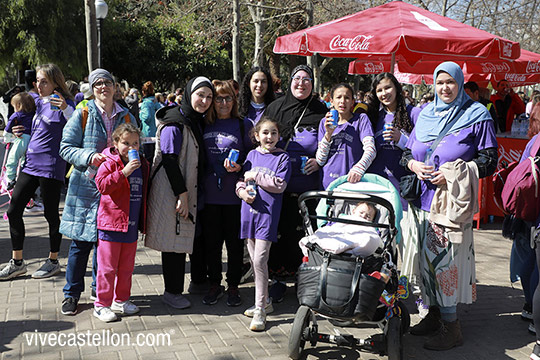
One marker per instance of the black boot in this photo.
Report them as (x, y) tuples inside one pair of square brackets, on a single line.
[(430, 324), (449, 336)]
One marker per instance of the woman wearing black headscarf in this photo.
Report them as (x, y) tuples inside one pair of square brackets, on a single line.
[(177, 177), (299, 115)]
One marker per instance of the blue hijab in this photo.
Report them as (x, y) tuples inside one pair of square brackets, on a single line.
[(436, 115)]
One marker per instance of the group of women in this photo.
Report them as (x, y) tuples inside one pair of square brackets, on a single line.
[(192, 206)]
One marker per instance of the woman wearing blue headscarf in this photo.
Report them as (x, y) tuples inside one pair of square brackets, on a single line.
[(438, 253)]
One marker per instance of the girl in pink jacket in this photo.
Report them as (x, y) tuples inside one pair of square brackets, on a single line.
[(122, 181)]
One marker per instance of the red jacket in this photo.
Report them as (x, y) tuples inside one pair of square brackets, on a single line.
[(516, 107), (113, 213)]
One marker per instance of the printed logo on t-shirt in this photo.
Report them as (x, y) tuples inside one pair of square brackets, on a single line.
[(263, 170)]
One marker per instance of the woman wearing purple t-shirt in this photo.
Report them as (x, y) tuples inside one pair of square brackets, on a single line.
[(177, 195), (221, 215), (440, 259), (388, 109), (348, 148), (44, 168), (255, 94), (298, 114)]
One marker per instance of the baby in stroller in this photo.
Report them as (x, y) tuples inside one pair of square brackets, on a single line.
[(338, 238)]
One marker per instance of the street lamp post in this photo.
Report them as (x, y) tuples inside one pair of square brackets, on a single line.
[(101, 13)]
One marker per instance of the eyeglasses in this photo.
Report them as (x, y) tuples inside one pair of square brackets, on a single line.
[(221, 99), (101, 83), (298, 79)]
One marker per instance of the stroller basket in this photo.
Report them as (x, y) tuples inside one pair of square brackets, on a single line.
[(338, 285)]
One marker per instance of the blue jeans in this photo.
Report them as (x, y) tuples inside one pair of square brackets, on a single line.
[(79, 251)]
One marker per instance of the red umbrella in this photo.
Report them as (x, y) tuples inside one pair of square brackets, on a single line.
[(397, 28), (523, 71)]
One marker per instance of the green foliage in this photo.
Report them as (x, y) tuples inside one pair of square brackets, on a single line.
[(152, 45), (40, 31)]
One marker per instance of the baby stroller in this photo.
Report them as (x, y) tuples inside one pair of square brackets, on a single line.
[(347, 289)]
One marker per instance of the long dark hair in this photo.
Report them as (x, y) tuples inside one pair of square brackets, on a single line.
[(245, 91), (401, 118)]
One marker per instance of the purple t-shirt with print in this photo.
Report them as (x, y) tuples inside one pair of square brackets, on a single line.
[(42, 157), (346, 148), (135, 202), (260, 219), (303, 143), (463, 144), (386, 163), (219, 138)]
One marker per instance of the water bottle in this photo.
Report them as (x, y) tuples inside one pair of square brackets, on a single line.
[(429, 160)]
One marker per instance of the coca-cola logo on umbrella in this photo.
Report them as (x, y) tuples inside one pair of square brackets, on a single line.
[(507, 48), (533, 67), (371, 68), (357, 43), (489, 67), (515, 77)]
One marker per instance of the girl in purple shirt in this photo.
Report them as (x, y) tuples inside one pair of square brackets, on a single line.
[(392, 123), (255, 93), (266, 173), (44, 168), (348, 148), (444, 269)]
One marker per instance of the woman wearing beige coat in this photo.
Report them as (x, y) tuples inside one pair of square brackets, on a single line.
[(175, 192)]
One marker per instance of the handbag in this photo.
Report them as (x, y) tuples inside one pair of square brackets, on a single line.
[(410, 186), (337, 285)]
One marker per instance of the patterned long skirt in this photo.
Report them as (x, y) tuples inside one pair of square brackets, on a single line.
[(445, 271)]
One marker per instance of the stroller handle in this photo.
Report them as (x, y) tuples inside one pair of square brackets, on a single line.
[(330, 196)]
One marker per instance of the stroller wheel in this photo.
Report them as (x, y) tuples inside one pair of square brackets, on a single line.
[(394, 345), (296, 338)]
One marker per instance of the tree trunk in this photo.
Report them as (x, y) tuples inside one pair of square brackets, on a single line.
[(236, 40), (91, 34), (257, 14)]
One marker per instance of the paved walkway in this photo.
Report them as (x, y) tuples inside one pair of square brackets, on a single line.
[(32, 325)]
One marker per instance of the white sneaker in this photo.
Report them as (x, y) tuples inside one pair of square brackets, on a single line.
[(11, 270), (104, 314), (47, 270), (258, 323), (268, 309), (33, 206), (126, 307)]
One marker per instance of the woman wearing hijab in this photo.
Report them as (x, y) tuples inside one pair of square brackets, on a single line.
[(299, 114), (440, 258), (176, 196)]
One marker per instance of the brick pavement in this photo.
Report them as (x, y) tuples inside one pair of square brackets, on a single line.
[(30, 308)]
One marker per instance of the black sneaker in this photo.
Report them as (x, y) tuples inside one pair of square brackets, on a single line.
[(69, 306), (233, 298), (214, 294), (277, 291), (536, 352)]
